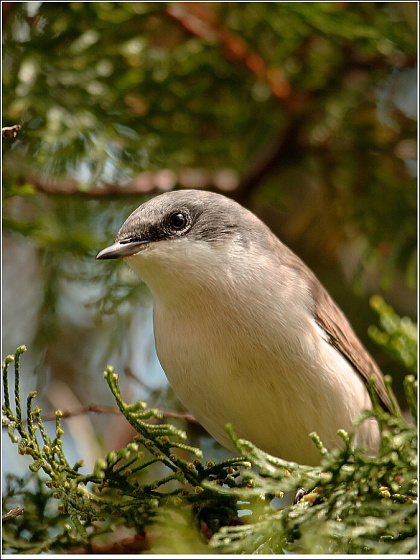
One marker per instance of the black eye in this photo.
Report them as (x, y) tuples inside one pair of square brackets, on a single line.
[(178, 221)]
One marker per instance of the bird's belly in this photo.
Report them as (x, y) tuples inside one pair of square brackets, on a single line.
[(272, 397)]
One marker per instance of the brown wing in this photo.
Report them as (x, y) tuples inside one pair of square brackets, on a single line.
[(342, 336), (330, 318)]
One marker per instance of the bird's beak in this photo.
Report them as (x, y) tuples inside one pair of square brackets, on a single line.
[(120, 249)]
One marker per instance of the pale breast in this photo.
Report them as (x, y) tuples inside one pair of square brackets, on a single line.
[(273, 390)]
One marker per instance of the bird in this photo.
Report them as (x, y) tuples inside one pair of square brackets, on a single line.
[(245, 332)]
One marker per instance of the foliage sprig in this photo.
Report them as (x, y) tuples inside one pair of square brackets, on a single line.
[(115, 489), (398, 336), (356, 504)]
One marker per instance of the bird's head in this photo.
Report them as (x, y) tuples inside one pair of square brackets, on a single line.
[(187, 235)]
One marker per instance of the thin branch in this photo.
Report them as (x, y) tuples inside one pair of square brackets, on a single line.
[(102, 409), (10, 131), (225, 180), (186, 416), (281, 149), (99, 409), (197, 19), (15, 512)]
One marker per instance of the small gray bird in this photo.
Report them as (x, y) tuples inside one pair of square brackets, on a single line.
[(244, 331)]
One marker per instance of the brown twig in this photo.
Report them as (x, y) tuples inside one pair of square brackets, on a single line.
[(10, 131), (199, 20), (275, 153), (143, 183), (102, 409), (186, 416), (99, 409), (12, 514)]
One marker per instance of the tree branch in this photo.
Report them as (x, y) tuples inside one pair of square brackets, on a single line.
[(102, 409), (225, 180), (15, 512), (197, 19), (10, 131)]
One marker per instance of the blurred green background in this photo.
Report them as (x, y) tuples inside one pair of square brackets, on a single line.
[(304, 112)]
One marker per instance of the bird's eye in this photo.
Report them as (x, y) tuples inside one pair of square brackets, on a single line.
[(178, 221)]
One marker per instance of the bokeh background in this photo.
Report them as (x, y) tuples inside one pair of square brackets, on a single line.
[(304, 112)]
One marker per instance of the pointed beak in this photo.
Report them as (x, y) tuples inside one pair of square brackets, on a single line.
[(121, 249)]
